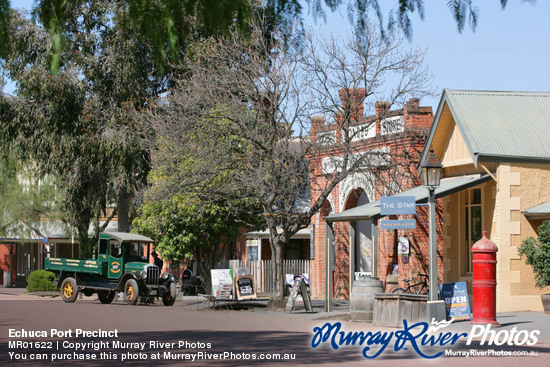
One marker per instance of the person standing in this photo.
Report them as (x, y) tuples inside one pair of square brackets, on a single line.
[(157, 260)]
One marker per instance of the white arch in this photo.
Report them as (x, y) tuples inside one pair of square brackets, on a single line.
[(352, 182), (330, 200)]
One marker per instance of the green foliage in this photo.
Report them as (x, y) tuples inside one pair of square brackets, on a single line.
[(183, 222), (41, 281), (537, 254), (178, 23), (24, 196), (182, 228), (75, 124), (4, 20)]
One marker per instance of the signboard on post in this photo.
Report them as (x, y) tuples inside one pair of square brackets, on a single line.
[(456, 300), (398, 224), (395, 205)]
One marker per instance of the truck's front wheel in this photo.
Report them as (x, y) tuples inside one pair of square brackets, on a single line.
[(131, 290), (169, 297), (69, 290)]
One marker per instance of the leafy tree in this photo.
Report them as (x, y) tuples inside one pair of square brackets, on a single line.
[(183, 222), (266, 93), (25, 198), (184, 228), (5, 13), (537, 254), (75, 124), (175, 20)]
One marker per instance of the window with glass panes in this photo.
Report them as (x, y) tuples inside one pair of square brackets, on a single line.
[(472, 224)]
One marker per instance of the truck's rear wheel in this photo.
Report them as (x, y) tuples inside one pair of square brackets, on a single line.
[(88, 292), (169, 298), (131, 290), (105, 297), (69, 290)]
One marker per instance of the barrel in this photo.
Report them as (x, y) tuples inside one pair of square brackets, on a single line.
[(362, 298)]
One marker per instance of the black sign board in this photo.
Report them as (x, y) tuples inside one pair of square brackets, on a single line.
[(245, 287)]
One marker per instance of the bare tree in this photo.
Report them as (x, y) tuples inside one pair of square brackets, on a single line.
[(243, 116)]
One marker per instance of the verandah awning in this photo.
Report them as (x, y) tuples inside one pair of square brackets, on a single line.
[(448, 186), (541, 211)]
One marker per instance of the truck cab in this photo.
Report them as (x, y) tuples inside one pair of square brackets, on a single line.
[(123, 253)]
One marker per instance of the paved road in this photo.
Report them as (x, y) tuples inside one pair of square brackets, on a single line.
[(241, 334)]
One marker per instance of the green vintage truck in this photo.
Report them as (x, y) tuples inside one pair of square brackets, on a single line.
[(122, 266)]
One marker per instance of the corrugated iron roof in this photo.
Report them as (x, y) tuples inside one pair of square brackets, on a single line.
[(123, 236), (541, 211), (500, 126)]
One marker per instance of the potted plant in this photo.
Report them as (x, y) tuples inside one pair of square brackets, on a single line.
[(537, 254)]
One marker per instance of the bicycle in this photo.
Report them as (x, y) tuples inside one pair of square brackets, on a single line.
[(409, 289)]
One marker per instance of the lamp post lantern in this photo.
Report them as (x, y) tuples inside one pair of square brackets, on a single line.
[(431, 176), (431, 171)]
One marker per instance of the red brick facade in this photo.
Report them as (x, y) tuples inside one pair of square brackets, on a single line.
[(5, 264), (403, 146)]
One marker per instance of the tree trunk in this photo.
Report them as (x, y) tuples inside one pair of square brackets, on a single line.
[(206, 278), (277, 300), (123, 205), (86, 244)]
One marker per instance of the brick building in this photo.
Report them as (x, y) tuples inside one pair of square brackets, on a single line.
[(495, 179), (396, 138)]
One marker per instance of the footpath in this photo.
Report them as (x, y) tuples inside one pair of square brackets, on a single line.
[(248, 327), (526, 320)]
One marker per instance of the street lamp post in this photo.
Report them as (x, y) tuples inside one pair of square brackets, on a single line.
[(431, 176)]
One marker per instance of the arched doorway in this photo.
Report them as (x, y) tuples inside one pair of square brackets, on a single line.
[(363, 252), (363, 240)]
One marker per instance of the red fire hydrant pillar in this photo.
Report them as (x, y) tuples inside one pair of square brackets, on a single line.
[(484, 282)]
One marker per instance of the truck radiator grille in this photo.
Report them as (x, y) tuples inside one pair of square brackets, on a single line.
[(153, 275)]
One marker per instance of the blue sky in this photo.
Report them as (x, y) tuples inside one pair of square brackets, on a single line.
[(508, 51)]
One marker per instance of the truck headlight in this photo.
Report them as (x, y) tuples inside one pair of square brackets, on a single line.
[(143, 274), (164, 275)]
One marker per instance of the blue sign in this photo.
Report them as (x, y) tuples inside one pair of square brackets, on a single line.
[(398, 224), (390, 205), (455, 296)]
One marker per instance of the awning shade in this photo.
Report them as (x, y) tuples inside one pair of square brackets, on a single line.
[(448, 186), (541, 211)]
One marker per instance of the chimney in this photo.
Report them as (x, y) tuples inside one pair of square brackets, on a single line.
[(382, 108), (353, 98), (317, 124), (412, 105)]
